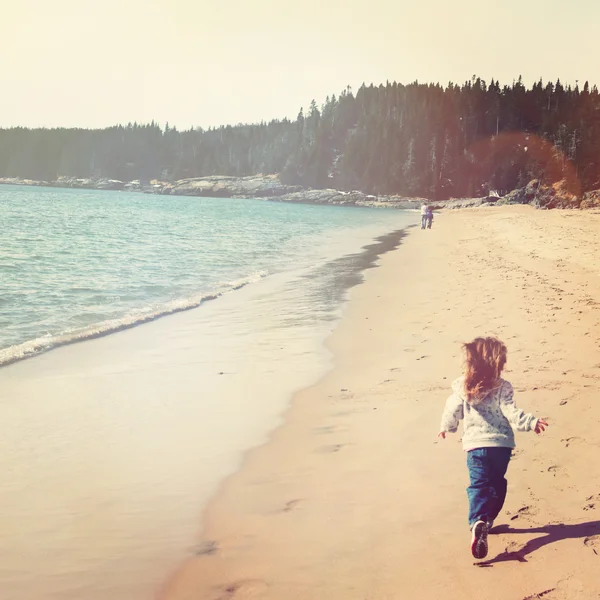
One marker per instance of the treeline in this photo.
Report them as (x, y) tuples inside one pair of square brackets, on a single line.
[(417, 139)]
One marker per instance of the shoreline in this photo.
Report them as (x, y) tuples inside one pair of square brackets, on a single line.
[(353, 497), (116, 444), (33, 348), (536, 193), (259, 187), (30, 349)]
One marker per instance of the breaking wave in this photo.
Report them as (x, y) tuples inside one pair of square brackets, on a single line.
[(134, 318)]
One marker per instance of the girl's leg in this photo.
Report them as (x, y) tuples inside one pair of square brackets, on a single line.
[(487, 492), (501, 458), (481, 493), (481, 499)]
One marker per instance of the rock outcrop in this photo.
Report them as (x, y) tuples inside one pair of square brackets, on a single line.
[(88, 183), (269, 187), (556, 195), (26, 182), (455, 203), (524, 195), (256, 186), (326, 196), (545, 196), (591, 200)]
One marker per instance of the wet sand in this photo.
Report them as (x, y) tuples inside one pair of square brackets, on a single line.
[(354, 497)]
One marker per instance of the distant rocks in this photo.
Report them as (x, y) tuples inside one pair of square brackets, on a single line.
[(88, 184), (591, 200), (524, 195), (109, 184), (19, 181), (456, 203), (270, 187), (154, 187), (326, 196), (556, 195), (353, 198), (222, 186), (545, 196), (551, 195)]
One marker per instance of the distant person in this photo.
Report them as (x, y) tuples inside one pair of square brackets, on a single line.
[(424, 209), (485, 403), (429, 216)]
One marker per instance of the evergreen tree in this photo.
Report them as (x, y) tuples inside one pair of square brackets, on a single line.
[(416, 139)]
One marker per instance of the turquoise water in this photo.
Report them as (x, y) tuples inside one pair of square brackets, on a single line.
[(77, 264)]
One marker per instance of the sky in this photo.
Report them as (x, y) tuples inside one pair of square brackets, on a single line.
[(201, 63)]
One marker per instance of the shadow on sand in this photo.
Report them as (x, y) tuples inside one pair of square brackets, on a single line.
[(551, 534)]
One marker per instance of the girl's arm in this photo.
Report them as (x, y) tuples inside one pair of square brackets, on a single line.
[(518, 418), (453, 413)]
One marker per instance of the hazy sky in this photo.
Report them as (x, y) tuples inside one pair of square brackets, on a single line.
[(92, 63)]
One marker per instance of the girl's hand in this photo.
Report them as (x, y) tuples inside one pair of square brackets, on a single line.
[(540, 426), (442, 434)]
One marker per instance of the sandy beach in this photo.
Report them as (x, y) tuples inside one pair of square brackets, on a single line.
[(354, 497)]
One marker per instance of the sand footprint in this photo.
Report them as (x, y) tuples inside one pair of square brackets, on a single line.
[(246, 588), (347, 413), (524, 511), (207, 548), (326, 429), (292, 505), (593, 542), (513, 547), (330, 448), (592, 501), (543, 594)]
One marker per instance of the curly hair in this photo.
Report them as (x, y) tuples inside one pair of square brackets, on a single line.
[(484, 360)]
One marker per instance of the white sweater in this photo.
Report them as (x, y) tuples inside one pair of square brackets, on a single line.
[(489, 423)]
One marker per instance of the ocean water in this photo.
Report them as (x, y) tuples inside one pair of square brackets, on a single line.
[(112, 447), (76, 264)]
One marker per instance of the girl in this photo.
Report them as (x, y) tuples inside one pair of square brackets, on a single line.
[(485, 403)]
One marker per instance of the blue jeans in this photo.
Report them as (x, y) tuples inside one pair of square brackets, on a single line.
[(423, 221), (487, 492)]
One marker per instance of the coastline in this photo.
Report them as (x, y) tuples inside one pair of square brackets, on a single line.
[(115, 445), (545, 195), (353, 496), (260, 187), (182, 281)]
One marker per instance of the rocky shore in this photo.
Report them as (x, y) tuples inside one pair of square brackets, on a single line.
[(546, 196)]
